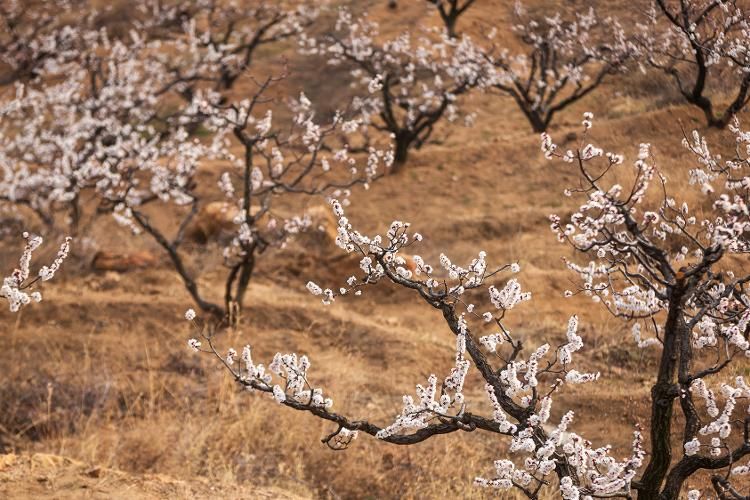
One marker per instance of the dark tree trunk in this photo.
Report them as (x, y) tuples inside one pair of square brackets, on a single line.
[(663, 394), (75, 215), (450, 25), (402, 142), (537, 123)]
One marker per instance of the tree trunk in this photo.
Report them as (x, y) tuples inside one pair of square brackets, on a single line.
[(663, 394), (239, 280), (537, 123), (401, 152), (450, 25)]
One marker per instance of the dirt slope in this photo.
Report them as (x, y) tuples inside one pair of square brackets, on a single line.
[(42, 475)]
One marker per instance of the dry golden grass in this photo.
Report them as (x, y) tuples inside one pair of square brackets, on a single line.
[(99, 372)]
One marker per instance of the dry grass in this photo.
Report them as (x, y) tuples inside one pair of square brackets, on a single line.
[(100, 371)]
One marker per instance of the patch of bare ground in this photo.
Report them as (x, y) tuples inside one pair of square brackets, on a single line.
[(43, 475)]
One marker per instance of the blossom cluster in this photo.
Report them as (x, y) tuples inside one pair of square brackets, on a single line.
[(36, 36), (625, 230), (16, 287), (515, 389), (285, 378)]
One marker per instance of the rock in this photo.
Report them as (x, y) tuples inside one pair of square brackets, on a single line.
[(108, 281), (323, 228), (570, 137), (410, 263), (7, 461), (214, 221), (94, 472), (123, 262)]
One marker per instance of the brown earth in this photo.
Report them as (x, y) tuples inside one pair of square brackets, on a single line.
[(53, 476)]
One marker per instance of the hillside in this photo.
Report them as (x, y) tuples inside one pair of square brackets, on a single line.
[(40, 475), (100, 371)]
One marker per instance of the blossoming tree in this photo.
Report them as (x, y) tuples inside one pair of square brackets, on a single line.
[(450, 11), (702, 45), (96, 94), (113, 126), (226, 28), (94, 120), (562, 59), (274, 161), (676, 272), (409, 83)]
